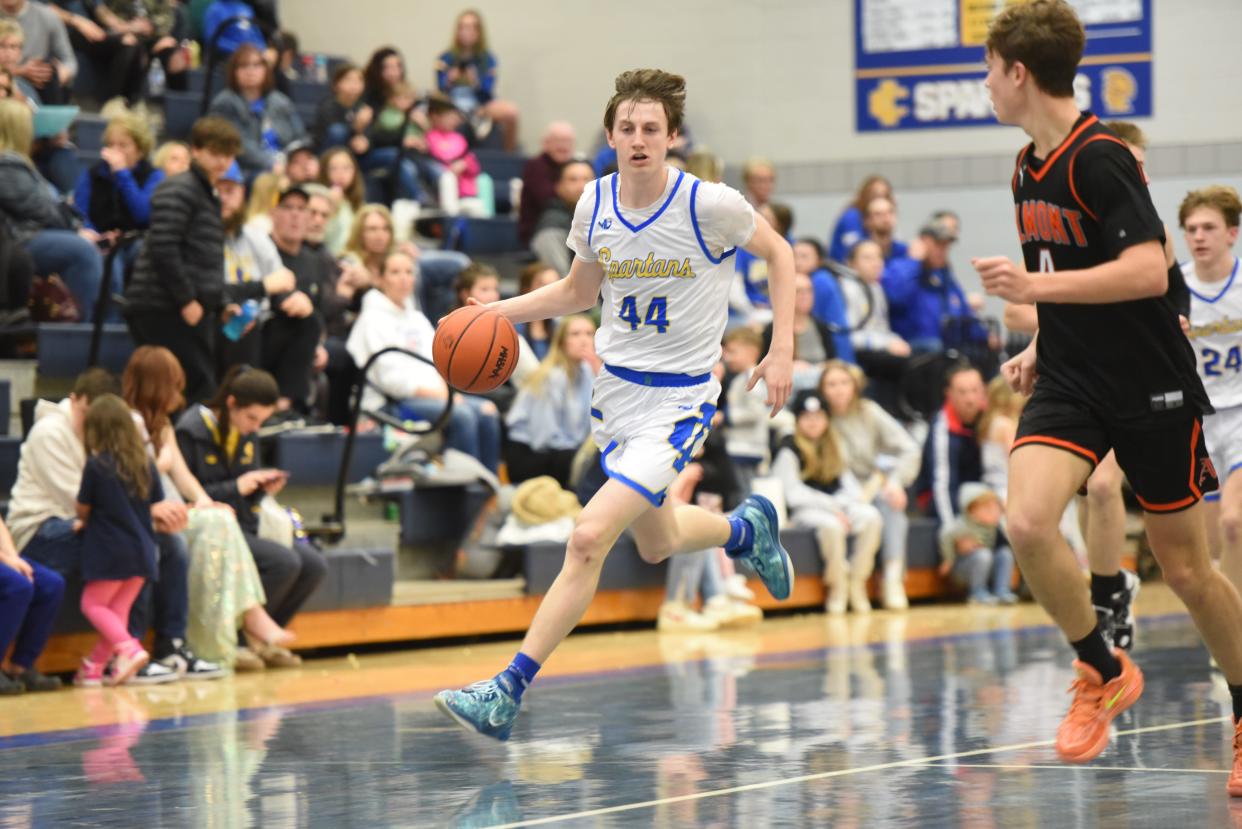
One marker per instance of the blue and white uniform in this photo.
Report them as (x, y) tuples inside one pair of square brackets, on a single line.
[(667, 273), (1216, 334)]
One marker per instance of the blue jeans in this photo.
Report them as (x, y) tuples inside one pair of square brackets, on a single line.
[(470, 429), (437, 272), (28, 611), (984, 573), (336, 135), (76, 260), (383, 158), (59, 548)]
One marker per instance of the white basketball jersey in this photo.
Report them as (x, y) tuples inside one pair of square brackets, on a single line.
[(1216, 334), (667, 271)]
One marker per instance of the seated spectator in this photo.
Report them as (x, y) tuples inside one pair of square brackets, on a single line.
[(927, 306), (883, 456), (880, 222), (389, 318), (250, 259), (466, 72), (552, 229), (998, 427), (30, 596), (338, 171), (951, 455), (173, 157), (149, 25), (115, 194), (292, 333), (371, 240), (822, 494), (540, 175), (219, 443), (282, 54), (264, 189), (47, 62), (459, 184), (43, 509), (224, 588), (396, 140), (973, 552), (236, 34), (749, 303), (829, 307), (551, 416), (342, 117), (813, 340), (481, 283), (878, 350), (537, 334), (338, 308), (118, 54), (747, 414), (849, 229), (301, 162), (178, 287), (265, 118), (385, 69), (758, 182), (705, 165), (12, 43), (47, 229)]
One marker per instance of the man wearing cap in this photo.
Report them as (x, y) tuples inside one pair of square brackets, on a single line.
[(927, 307), (301, 163)]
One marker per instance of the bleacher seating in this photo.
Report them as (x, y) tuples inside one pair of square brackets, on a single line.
[(64, 348), (498, 235), (88, 132), (10, 452), (313, 459)]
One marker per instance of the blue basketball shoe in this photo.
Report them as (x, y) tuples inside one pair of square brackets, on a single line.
[(486, 707), (766, 556)]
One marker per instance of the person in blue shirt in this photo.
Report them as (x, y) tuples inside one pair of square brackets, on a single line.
[(115, 194), (829, 307), (927, 306), (880, 223), (238, 32), (466, 72), (849, 229)]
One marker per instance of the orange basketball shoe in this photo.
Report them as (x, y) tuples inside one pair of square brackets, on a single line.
[(1084, 731), (1234, 786)]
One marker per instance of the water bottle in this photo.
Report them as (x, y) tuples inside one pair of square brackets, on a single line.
[(321, 69), (234, 328), (155, 79), (486, 194)]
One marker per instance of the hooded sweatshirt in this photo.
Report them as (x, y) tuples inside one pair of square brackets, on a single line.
[(48, 474), (382, 324)]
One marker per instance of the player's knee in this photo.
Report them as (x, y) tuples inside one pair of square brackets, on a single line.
[(1182, 578), (586, 545), (1231, 526), (1104, 487), (1029, 529)]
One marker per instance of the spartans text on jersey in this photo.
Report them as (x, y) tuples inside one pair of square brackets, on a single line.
[(645, 268)]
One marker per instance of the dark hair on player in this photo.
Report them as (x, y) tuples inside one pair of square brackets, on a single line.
[(1046, 37), (654, 85)]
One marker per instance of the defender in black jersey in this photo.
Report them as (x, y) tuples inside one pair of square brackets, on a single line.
[(1110, 368)]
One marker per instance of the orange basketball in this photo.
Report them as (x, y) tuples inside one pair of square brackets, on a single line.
[(475, 349)]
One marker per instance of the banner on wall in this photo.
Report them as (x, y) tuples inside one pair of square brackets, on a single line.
[(918, 64)]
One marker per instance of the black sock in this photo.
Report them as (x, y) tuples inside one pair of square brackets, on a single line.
[(1103, 588), (1235, 691), (1094, 651)]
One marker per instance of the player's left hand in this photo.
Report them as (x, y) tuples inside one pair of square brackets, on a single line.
[(1003, 278), (777, 374)]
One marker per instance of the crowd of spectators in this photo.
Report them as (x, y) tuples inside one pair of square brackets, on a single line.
[(262, 262)]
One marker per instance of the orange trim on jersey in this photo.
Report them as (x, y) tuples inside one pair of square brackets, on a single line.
[(1081, 451), (1074, 157), (1038, 175), (1189, 500), (1194, 444)]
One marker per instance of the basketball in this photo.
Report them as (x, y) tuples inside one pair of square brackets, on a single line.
[(475, 349)]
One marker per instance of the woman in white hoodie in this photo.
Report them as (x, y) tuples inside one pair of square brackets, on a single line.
[(389, 318)]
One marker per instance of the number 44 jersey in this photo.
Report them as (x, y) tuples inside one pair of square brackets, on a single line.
[(1216, 334), (667, 270)]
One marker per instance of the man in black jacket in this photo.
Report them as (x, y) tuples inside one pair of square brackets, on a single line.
[(178, 291)]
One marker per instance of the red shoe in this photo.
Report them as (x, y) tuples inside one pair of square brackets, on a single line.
[(1084, 731), (1234, 786)]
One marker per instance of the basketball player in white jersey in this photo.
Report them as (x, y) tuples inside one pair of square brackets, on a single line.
[(658, 244), (1102, 510), (1209, 218)]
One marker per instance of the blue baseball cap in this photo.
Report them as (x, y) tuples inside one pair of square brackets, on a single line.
[(234, 174)]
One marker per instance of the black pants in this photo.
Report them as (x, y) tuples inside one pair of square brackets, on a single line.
[(123, 66), (192, 346), (248, 350), (341, 372), (525, 463), (884, 371), (289, 575), (288, 350)]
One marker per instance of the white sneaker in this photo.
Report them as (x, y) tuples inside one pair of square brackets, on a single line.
[(727, 612), (677, 617), (894, 592), (735, 587)]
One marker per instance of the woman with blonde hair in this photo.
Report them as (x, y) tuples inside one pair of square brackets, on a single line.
[(998, 426), (466, 72), (46, 228), (225, 589), (883, 456), (114, 195), (822, 493), (339, 172), (550, 418), (264, 191)]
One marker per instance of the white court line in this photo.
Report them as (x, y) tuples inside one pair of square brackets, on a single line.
[(806, 778), (1070, 767)]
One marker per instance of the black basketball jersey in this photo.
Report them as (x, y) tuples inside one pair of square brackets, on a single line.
[(1079, 208)]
